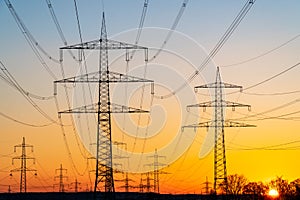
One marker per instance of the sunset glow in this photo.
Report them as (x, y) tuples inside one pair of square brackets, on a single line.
[(261, 56), (273, 193)]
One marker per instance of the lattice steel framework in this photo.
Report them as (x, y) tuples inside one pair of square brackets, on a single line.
[(218, 124), (104, 108), (61, 178), (156, 164), (23, 169)]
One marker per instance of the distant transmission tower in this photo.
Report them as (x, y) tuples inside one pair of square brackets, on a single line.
[(104, 107), (207, 187), (218, 124), (23, 169), (61, 178), (148, 182), (76, 185), (156, 171)]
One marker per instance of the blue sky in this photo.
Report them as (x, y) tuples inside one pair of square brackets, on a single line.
[(268, 24)]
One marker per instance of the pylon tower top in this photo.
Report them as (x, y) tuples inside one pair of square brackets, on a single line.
[(218, 123), (104, 107)]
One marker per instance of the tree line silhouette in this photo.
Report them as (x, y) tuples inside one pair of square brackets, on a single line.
[(238, 187)]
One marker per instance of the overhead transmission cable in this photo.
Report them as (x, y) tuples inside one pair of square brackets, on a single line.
[(22, 91), (271, 110), (263, 54), (270, 147), (26, 32), (279, 117), (34, 45), (58, 28), (269, 79), (75, 169), (272, 94), (35, 96), (24, 123), (82, 54), (173, 27), (216, 49), (140, 28)]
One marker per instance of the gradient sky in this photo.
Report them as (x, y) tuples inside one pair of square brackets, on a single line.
[(267, 25)]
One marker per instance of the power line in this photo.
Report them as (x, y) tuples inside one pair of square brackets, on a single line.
[(11, 84), (270, 147), (173, 27), (82, 54), (36, 48), (141, 24), (216, 49), (271, 110), (11, 79), (263, 54), (280, 117), (58, 27), (272, 77), (267, 80), (24, 123), (272, 94)]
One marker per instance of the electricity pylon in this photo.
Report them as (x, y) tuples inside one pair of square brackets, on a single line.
[(61, 177), (218, 124), (148, 184), (76, 185), (23, 169), (156, 171), (104, 107), (206, 187)]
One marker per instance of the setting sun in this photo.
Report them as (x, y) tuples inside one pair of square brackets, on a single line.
[(273, 193)]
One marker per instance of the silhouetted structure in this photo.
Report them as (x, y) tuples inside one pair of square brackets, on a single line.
[(76, 185), (61, 178), (155, 172), (218, 123), (23, 168), (104, 107)]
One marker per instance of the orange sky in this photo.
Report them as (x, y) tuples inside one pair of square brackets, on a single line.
[(266, 26)]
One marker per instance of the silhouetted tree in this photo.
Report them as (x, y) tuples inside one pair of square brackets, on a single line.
[(282, 186), (295, 188), (255, 188), (235, 184)]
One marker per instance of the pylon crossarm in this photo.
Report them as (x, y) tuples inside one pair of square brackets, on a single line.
[(234, 104), (224, 104), (202, 105), (93, 77), (236, 124), (116, 108), (19, 169), (226, 123), (16, 170), (199, 125), (111, 45), (115, 77), (93, 108), (121, 157), (219, 85)]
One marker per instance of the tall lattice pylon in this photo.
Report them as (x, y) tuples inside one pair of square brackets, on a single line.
[(218, 124), (104, 107), (156, 164), (61, 178), (23, 169)]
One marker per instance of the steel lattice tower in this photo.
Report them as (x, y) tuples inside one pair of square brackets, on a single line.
[(156, 171), (218, 124), (23, 169), (61, 178), (104, 107)]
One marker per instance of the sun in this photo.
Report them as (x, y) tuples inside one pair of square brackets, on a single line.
[(273, 193)]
